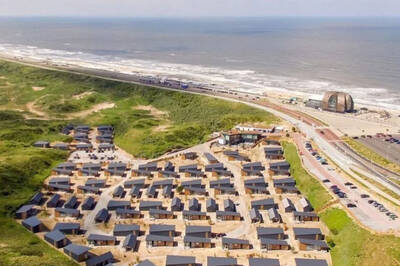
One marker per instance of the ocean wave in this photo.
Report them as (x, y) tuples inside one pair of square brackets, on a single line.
[(245, 80)]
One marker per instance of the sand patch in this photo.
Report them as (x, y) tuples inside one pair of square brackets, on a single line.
[(82, 95), (38, 88), (153, 111), (161, 128), (95, 108), (33, 109)]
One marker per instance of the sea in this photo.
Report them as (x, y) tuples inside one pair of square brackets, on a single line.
[(305, 56)]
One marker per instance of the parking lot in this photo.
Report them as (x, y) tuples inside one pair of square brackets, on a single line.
[(387, 146)]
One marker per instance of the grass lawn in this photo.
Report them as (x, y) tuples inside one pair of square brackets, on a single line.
[(307, 184), (350, 244), (371, 155)]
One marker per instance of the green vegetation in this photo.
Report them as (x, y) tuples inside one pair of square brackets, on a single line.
[(35, 104), (372, 155), (350, 244), (188, 119), (307, 184)]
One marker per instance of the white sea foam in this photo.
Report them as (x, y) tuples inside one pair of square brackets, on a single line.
[(214, 77)]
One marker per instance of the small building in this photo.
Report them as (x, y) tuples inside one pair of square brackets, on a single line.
[(224, 182), (116, 169), (88, 189), (135, 191), (169, 167), (146, 205), (90, 169), (163, 183), (77, 252), (229, 205), (255, 166), (257, 182), (151, 192), (167, 192), (68, 228), (225, 191), (41, 144), (64, 169), (305, 205), (134, 182), (126, 229), (236, 156), (249, 189), (221, 261), (88, 204), (189, 167), (273, 152), (288, 205), (192, 183), (106, 145), (37, 198), (101, 260), (274, 216), (235, 243), (102, 216), (57, 187), (176, 204), (60, 181), (194, 191), (180, 261), (197, 242), (146, 263), (228, 216), (279, 189), (274, 244), (310, 262), (255, 216), (118, 204), (194, 205), (61, 146), (164, 173), (54, 201), (159, 241), (235, 137), (270, 232), (137, 172), (101, 240), (33, 224), (84, 146), (25, 211), (305, 216), (214, 166), (211, 205), (162, 230), (310, 244), (198, 231), (263, 204), (66, 212), (56, 238), (210, 158), (128, 213), (279, 168), (118, 192), (149, 167), (130, 243), (189, 156), (161, 214), (71, 203), (99, 183), (263, 262), (194, 215), (308, 233)]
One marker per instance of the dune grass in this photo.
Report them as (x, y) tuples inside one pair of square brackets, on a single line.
[(350, 244)]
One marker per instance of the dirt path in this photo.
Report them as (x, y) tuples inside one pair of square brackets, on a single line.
[(94, 109), (32, 109)]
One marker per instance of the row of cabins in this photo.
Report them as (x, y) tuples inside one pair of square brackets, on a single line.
[(90, 169), (172, 260)]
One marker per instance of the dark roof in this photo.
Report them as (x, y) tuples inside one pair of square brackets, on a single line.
[(89, 201), (187, 167), (59, 180), (227, 240), (66, 226), (25, 208), (55, 235), (280, 163), (116, 165), (190, 229), (76, 249), (221, 261), (255, 214), (227, 213), (306, 214), (210, 202), (97, 237), (118, 203), (210, 157), (313, 242), (157, 211), (102, 215), (165, 182), (268, 201), (68, 211), (161, 228), (257, 180), (94, 181), (130, 241), (196, 239), (180, 260), (148, 203), (176, 201), (96, 260), (220, 182), (126, 227), (196, 182), (253, 164), (126, 211), (263, 262), (146, 263), (159, 238), (89, 189), (118, 191), (31, 221), (135, 182), (269, 230), (283, 180), (310, 262), (306, 231), (271, 241), (54, 199)]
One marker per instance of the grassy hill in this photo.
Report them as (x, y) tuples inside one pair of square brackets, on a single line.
[(36, 103)]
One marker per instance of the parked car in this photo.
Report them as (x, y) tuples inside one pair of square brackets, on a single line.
[(364, 196)]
